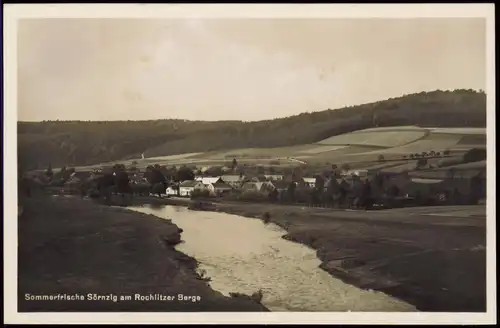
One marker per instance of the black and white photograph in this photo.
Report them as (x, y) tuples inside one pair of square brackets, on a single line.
[(249, 163)]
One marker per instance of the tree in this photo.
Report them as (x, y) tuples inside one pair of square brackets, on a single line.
[(122, 182), (185, 173), (446, 152), (333, 186), (421, 163), (49, 173), (474, 155), (154, 175), (346, 167), (261, 170), (451, 172), (273, 195), (319, 184), (213, 171), (291, 191), (159, 188)]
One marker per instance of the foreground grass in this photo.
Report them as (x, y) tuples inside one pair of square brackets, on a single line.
[(69, 245)]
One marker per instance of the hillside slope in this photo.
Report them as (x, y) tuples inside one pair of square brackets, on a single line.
[(80, 143)]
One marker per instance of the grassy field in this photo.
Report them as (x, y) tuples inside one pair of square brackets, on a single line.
[(363, 146), (386, 138)]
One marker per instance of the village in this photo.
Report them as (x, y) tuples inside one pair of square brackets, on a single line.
[(324, 187)]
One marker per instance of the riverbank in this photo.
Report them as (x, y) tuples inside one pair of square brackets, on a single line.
[(437, 263), (77, 247)]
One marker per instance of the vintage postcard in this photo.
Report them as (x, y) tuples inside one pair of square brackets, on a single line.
[(249, 163)]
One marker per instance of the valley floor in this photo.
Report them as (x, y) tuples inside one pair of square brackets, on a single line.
[(434, 258)]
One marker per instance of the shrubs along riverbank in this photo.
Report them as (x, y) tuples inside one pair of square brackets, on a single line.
[(97, 256)]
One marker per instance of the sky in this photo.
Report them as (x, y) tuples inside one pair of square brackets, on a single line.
[(237, 69)]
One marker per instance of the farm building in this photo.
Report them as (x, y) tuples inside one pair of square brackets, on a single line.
[(234, 179), (310, 182), (274, 177), (73, 184), (187, 187), (359, 173), (259, 178), (172, 190), (219, 188), (208, 180)]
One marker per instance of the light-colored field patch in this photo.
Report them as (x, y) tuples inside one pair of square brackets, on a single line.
[(460, 131), (171, 157), (379, 139), (409, 166), (392, 128), (387, 165), (429, 144), (322, 149)]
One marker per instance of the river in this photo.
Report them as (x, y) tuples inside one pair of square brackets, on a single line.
[(244, 255)]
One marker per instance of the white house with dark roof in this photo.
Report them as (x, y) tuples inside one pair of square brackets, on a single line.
[(310, 182), (209, 180), (187, 187), (218, 188)]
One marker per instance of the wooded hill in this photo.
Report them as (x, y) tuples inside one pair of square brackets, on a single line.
[(85, 142)]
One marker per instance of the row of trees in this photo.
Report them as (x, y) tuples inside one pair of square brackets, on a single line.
[(362, 194)]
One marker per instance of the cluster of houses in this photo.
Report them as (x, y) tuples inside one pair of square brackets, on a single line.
[(226, 183), (266, 183)]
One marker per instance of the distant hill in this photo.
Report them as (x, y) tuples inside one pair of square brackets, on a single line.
[(85, 142)]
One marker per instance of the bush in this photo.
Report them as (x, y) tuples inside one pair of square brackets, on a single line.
[(200, 194), (254, 196), (474, 155), (448, 162)]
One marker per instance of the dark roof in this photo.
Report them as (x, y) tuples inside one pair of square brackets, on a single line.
[(189, 183), (260, 178), (280, 184), (222, 185), (232, 178)]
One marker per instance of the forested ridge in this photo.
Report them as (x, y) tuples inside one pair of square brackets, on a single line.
[(89, 142)]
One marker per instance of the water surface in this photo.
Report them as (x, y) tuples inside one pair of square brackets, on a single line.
[(244, 255)]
